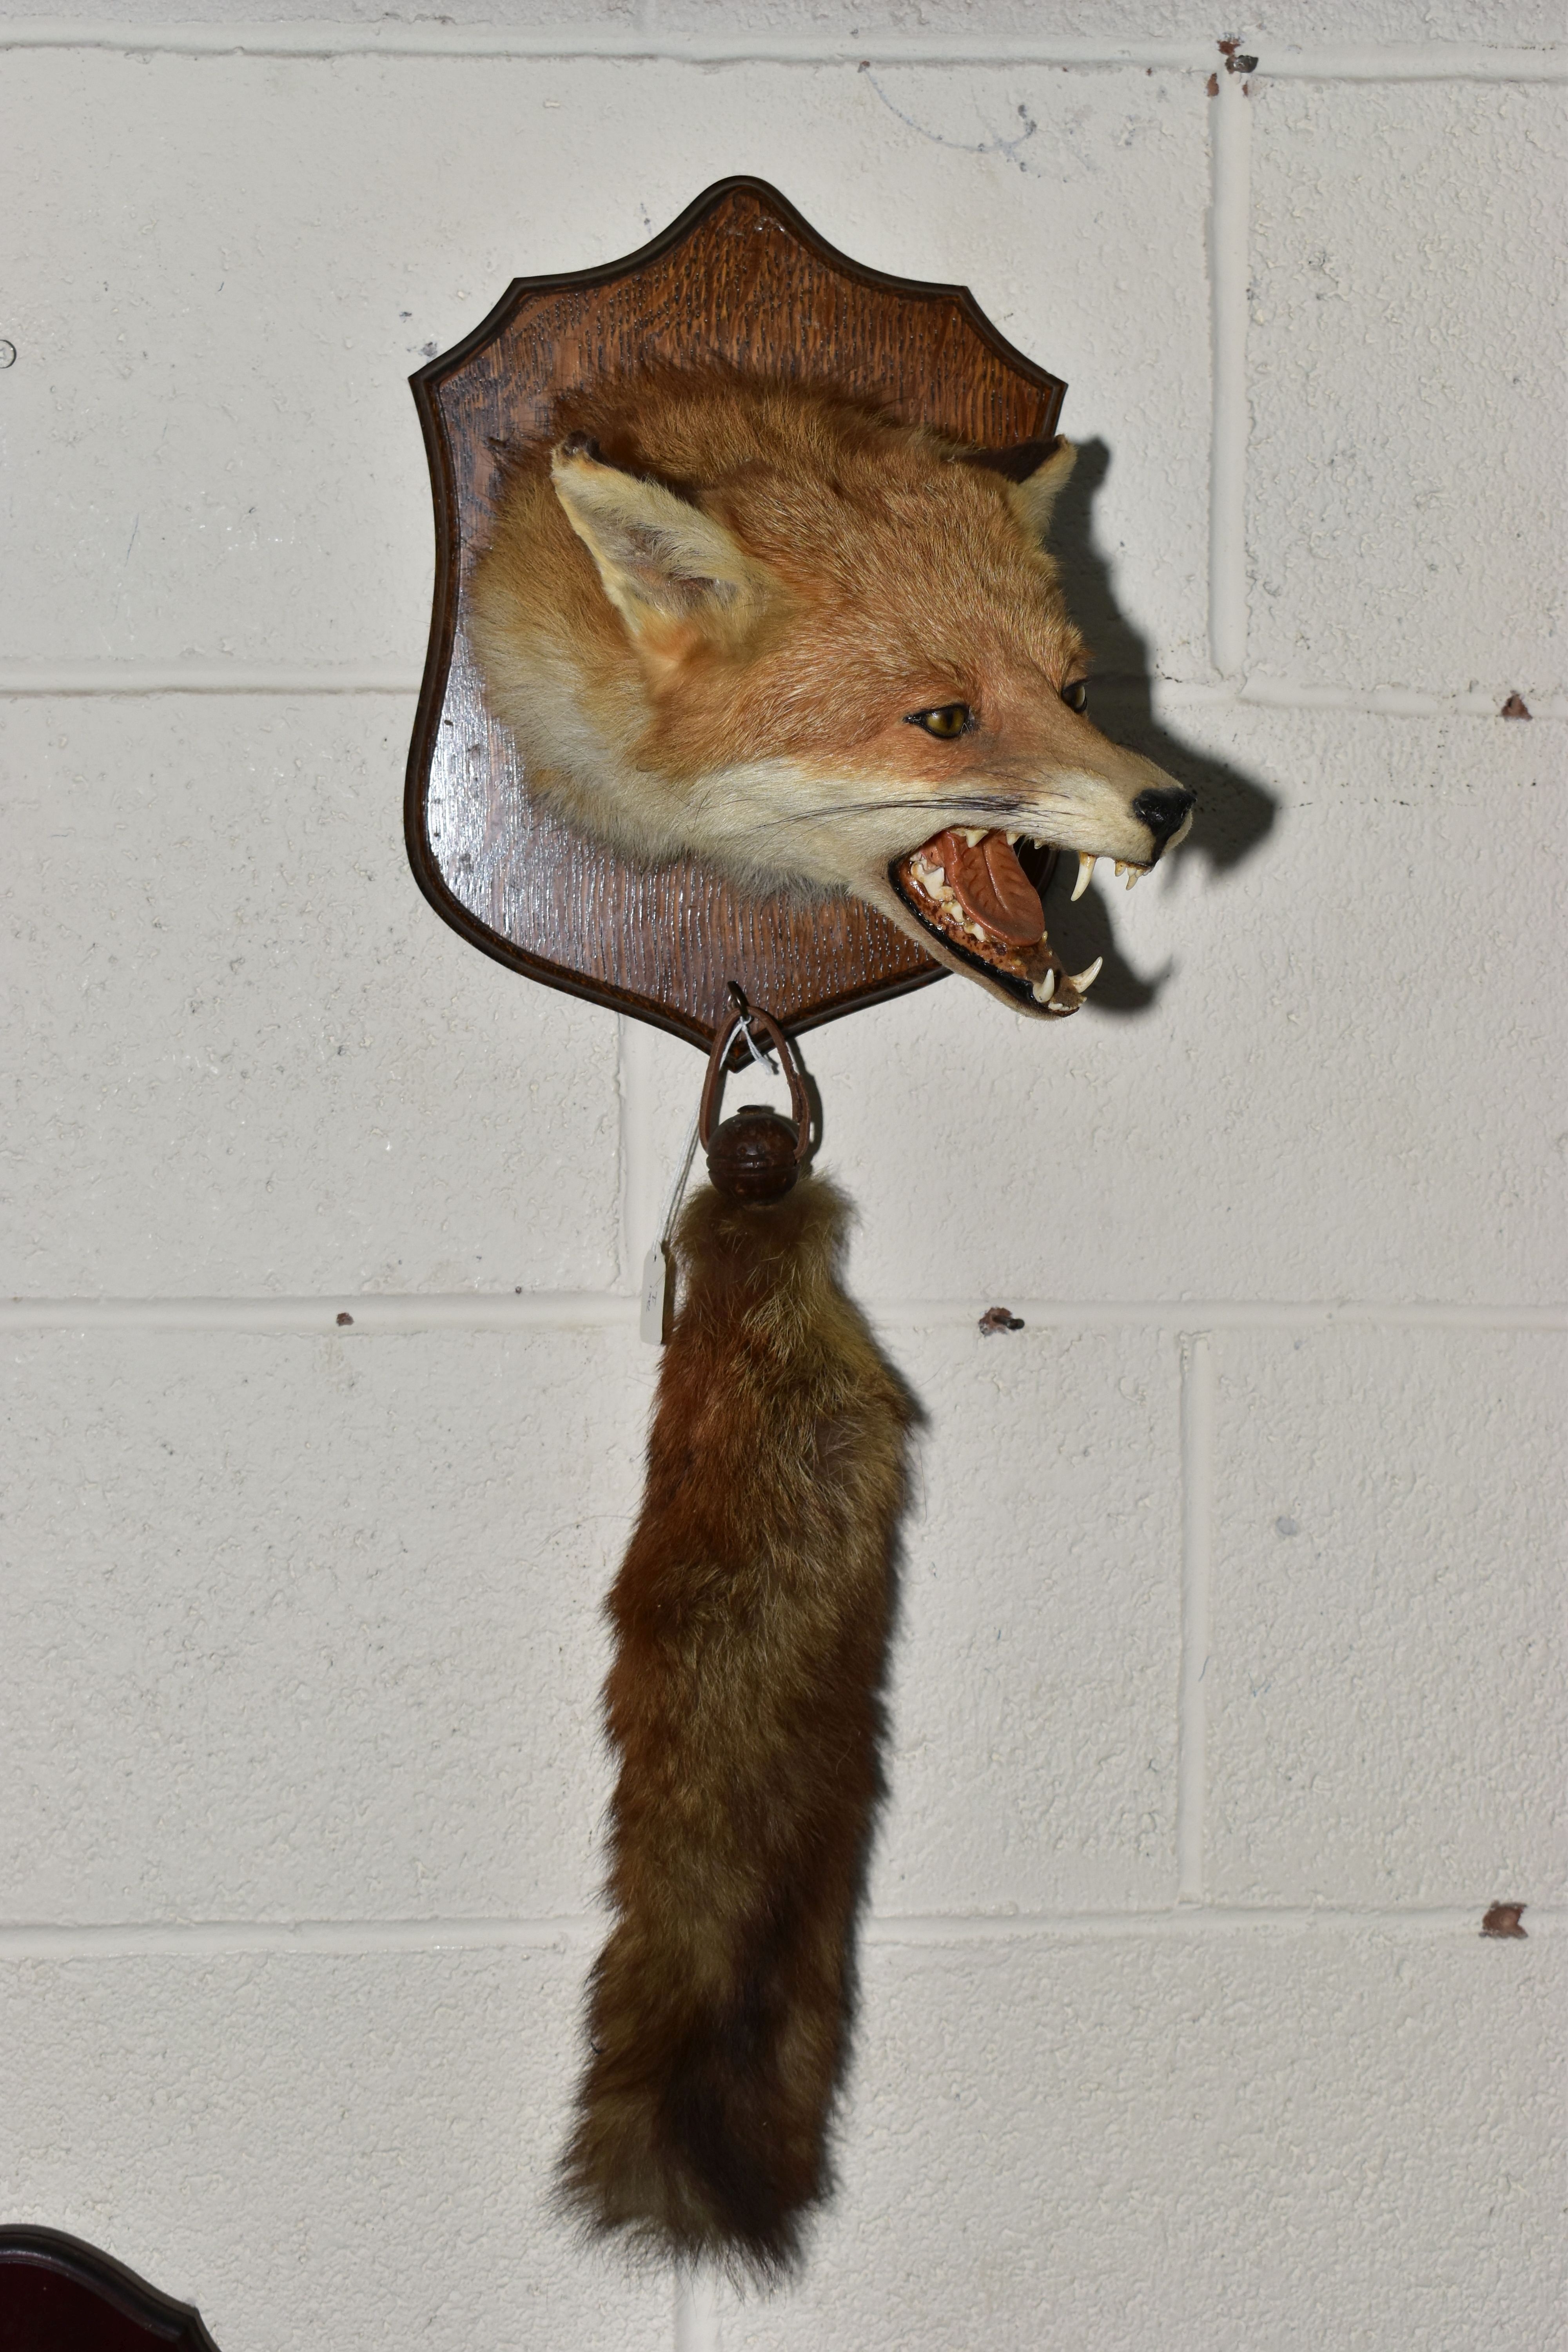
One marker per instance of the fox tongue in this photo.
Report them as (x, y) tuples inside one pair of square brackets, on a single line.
[(993, 887)]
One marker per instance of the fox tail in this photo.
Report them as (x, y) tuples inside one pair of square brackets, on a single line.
[(751, 1618)]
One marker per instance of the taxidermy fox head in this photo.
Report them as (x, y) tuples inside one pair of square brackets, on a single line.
[(814, 649)]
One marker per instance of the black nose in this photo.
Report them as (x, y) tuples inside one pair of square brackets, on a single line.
[(1162, 812)]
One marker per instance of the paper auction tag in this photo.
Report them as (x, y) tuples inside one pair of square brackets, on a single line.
[(654, 1320)]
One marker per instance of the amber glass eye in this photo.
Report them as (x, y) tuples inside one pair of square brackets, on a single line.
[(1076, 695), (950, 719)]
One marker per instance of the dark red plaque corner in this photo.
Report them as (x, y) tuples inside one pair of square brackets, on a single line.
[(57, 2293), (742, 277)]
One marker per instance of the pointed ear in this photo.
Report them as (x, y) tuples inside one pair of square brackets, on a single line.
[(1038, 493), (1033, 498), (1035, 472), (660, 559)]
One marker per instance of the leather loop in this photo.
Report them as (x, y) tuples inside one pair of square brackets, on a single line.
[(789, 1063)]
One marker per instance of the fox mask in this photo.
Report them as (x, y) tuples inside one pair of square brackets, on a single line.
[(817, 650)]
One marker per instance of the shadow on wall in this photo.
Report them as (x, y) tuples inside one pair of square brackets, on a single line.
[(1233, 813)]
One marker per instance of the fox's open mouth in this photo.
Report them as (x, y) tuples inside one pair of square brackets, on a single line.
[(979, 893)]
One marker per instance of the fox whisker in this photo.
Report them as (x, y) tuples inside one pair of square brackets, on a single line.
[(986, 804)]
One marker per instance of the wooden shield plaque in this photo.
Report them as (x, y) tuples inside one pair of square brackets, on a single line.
[(60, 2294), (741, 278)]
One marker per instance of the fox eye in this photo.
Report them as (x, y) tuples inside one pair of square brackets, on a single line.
[(1076, 695), (950, 719)]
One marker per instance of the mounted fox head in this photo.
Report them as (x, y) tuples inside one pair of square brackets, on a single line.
[(769, 629)]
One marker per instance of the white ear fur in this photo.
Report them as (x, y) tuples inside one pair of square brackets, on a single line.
[(1033, 497), (660, 559)]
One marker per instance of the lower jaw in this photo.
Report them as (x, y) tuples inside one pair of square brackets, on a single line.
[(1031, 977)]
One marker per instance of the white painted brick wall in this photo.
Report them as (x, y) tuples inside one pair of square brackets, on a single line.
[(1228, 1687), (239, 1067)]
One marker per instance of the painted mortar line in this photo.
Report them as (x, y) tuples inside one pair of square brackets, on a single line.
[(378, 1314), (624, 1148), (1384, 701), (1231, 1314), (642, 45), (1412, 61), (695, 2312), (63, 680), (1363, 701), (644, 1183), (124, 681), (579, 1932), (1391, 61), (341, 1938), (1230, 135), (349, 1316), (1197, 1452), (1418, 1924)]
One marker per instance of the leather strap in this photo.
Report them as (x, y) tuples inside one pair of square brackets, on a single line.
[(789, 1062)]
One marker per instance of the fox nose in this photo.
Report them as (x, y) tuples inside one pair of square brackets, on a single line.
[(1164, 812)]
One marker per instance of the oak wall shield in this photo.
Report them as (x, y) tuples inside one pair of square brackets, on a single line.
[(739, 277)]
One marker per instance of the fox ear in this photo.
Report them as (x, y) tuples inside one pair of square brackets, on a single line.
[(1033, 498), (660, 559), (1035, 472)]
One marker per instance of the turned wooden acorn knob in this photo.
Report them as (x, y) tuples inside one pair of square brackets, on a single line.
[(755, 1156)]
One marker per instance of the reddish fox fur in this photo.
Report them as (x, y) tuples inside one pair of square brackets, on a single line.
[(751, 1617), (720, 616)]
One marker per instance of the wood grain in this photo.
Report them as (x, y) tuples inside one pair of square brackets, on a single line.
[(741, 278)]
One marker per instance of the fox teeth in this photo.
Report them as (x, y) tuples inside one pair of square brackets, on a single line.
[(1085, 873), (1084, 981), (1012, 837), (933, 876), (1135, 875), (1121, 868), (975, 834), (1043, 989)]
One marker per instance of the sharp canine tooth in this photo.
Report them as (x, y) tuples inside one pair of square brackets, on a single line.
[(975, 834), (1012, 837), (1043, 989), (1084, 981), (1135, 875), (1085, 873)]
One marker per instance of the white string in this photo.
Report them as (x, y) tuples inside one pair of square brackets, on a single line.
[(677, 1189), (762, 1058), (764, 1061), (655, 1272)]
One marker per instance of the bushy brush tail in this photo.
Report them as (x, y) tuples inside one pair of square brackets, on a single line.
[(752, 1617)]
